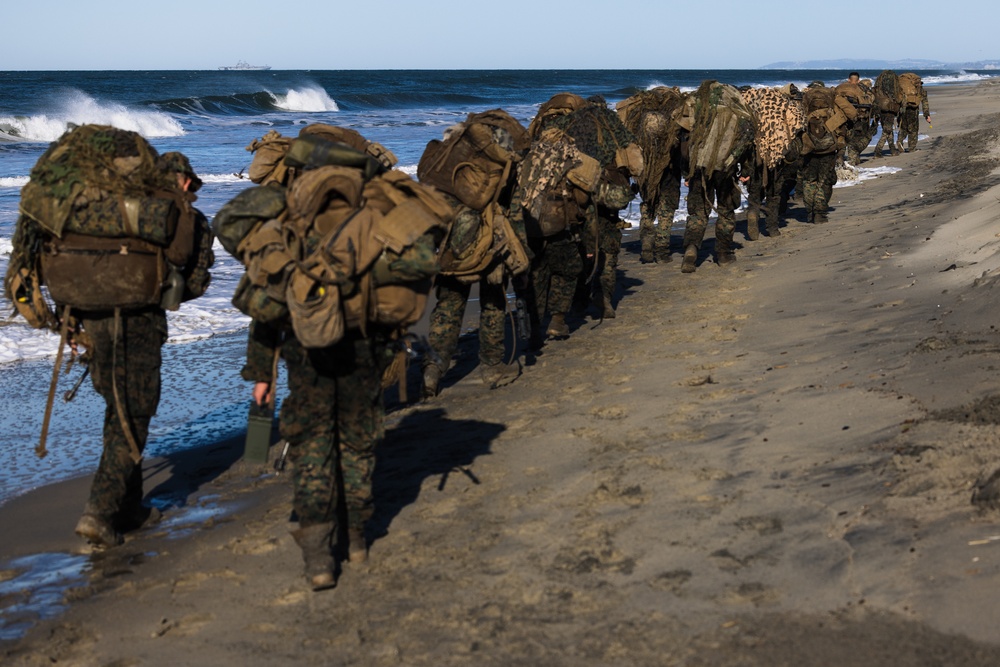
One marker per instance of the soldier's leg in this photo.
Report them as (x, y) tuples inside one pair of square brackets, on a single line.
[(727, 194), (610, 246), (772, 202), (445, 328), (566, 265), (698, 207), (541, 274), (647, 235), (670, 201), (826, 179), (360, 428), (755, 200), (115, 500), (492, 313)]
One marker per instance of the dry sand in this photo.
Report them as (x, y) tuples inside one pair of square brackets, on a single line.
[(766, 464)]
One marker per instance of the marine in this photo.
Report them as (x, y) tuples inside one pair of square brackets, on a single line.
[(909, 116), (121, 178), (827, 116), (863, 128), (889, 100)]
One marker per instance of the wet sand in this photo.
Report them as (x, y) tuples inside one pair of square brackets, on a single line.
[(766, 464)]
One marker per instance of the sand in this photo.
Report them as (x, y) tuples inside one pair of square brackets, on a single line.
[(770, 463)]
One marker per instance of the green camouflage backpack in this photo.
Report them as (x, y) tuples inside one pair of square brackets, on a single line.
[(888, 93), (722, 128), (112, 227)]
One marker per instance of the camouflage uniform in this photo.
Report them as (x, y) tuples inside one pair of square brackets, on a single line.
[(887, 120), (446, 321), (703, 190), (555, 267), (819, 174), (134, 363), (763, 198), (332, 419), (909, 122), (609, 245), (661, 208)]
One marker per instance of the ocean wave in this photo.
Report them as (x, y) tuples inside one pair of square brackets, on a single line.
[(79, 108), (958, 77), (13, 182), (309, 100)]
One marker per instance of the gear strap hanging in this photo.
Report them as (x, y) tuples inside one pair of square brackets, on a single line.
[(40, 449), (119, 408)]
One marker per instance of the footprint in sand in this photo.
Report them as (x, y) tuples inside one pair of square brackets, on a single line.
[(610, 412)]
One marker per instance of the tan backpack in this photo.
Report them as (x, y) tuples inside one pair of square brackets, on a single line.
[(557, 181), (912, 87), (345, 252)]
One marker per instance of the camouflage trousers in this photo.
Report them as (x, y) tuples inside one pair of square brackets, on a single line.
[(446, 320), (609, 243), (703, 191), (860, 136), (333, 419), (888, 122), (819, 174), (133, 362), (554, 272), (764, 195), (660, 207), (909, 127)]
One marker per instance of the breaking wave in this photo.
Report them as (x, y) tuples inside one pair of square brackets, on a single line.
[(79, 108), (310, 100), (958, 77)]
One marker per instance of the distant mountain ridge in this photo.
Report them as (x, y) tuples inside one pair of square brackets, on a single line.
[(861, 63)]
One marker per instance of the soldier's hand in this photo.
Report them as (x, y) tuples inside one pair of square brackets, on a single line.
[(262, 393)]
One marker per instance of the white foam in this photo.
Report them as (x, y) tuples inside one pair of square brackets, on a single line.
[(867, 174), (80, 108), (6, 247), (13, 182), (222, 178), (960, 77), (310, 100), (410, 169)]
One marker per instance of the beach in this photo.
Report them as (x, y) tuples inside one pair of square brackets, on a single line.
[(768, 463)]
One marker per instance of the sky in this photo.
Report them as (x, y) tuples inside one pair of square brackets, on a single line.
[(516, 34)]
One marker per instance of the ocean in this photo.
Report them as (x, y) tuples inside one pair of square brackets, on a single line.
[(211, 116)]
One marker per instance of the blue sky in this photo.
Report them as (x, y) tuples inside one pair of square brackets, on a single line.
[(328, 34)]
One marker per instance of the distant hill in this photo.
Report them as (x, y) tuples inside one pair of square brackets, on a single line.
[(859, 63)]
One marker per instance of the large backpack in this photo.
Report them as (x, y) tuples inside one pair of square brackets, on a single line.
[(475, 159), (559, 104), (556, 180), (721, 128), (465, 166), (912, 88), (779, 121), (109, 228), (824, 121), (338, 249), (888, 92), (648, 115)]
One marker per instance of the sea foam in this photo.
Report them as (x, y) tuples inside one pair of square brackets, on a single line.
[(310, 100), (79, 108)]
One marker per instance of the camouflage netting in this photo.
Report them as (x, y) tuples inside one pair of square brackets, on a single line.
[(87, 164), (888, 92), (559, 105), (649, 116), (597, 131), (778, 121), (723, 128)]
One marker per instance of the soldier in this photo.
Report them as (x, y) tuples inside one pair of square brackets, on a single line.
[(863, 128), (649, 116), (888, 99), (713, 166), (827, 115), (125, 357), (909, 121)]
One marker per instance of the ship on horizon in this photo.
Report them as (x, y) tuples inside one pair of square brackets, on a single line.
[(244, 65)]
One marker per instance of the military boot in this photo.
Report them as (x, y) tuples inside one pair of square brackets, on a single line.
[(314, 542), (499, 375), (557, 326), (772, 228), (357, 545), (97, 530), (820, 217), (662, 253), (432, 378), (646, 254), (753, 225), (724, 253), (690, 259)]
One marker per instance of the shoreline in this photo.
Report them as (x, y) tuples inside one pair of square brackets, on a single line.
[(763, 464)]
